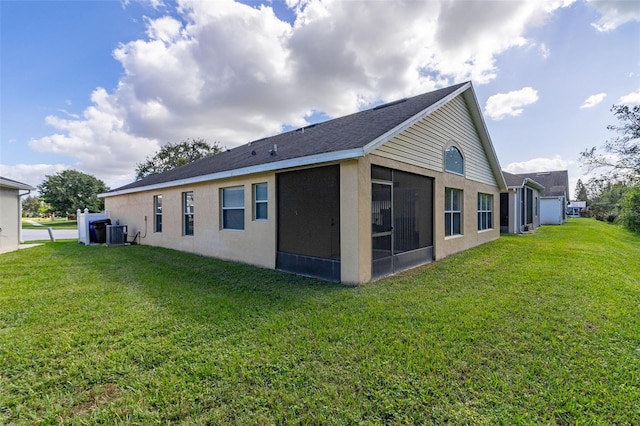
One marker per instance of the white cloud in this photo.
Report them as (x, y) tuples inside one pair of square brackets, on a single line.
[(538, 165), (100, 140), (630, 98), (31, 174), (593, 100), (231, 73), (614, 13), (510, 104), (67, 113), (545, 52), (155, 4)]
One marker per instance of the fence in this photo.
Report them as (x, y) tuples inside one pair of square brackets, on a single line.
[(83, 224)]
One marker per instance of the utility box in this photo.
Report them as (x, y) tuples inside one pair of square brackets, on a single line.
[(116, 235)]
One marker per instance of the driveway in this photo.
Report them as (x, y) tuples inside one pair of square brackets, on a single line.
[(43, 234)]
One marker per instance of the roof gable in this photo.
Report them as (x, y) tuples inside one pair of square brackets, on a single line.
[(351, 136)]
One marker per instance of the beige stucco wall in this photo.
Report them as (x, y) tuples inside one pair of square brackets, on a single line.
[(9, 220), (355, 221), (256, 244), (471, 237)]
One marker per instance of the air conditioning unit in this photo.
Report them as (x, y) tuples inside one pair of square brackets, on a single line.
[(116, 235)]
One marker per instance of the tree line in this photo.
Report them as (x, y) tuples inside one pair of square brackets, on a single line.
[(614, 195)]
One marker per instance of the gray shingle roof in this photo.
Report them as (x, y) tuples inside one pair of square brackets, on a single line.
[(512, 180), (340, 134), (556, 183), (519, 181)]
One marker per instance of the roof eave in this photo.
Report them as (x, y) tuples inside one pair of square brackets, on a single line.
[(261, 168), (533, 183), (12, 184)]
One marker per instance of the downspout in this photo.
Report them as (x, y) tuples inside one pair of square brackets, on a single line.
[(20, 214)]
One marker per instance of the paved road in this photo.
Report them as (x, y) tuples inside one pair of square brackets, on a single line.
[(43, 234)]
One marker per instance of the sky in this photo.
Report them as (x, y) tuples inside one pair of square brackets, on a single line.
[(98, 86)]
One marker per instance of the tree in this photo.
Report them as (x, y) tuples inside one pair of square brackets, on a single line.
[(581, 193), (605, 199), (622, 153), (630, 209), (172, 155), (33, 206), (71, 190)]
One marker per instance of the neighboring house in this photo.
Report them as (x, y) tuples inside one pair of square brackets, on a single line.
[(576, 208), (554, 200), (11, 213), (349, 200), (520, 205)]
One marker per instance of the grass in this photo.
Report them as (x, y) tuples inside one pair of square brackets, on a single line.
[(44, 223), (534, 329)]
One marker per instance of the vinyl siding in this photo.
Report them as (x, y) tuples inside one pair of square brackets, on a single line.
[(423, 143)]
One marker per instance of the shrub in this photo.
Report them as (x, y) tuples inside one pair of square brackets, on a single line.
[(630, 209)]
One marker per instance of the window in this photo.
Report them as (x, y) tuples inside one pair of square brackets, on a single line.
[(452, 212), (453, 161), (157, 208), (187, 208), (233, 208), (485, 211), (260, 201)]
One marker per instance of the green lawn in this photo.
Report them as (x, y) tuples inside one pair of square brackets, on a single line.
[(57, 223), (533, 329)]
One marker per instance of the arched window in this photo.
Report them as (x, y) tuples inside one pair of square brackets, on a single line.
[(453, 161)]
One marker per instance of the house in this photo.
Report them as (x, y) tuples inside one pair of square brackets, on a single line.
[(554, 200), (576, 208), (520, 204), (11, 213), (350, 200)]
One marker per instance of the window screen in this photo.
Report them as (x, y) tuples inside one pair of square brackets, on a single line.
[(157, 207), (233, 208), (260, 199), (485, 211), (452, 212), (309, 212), (188, 209)]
